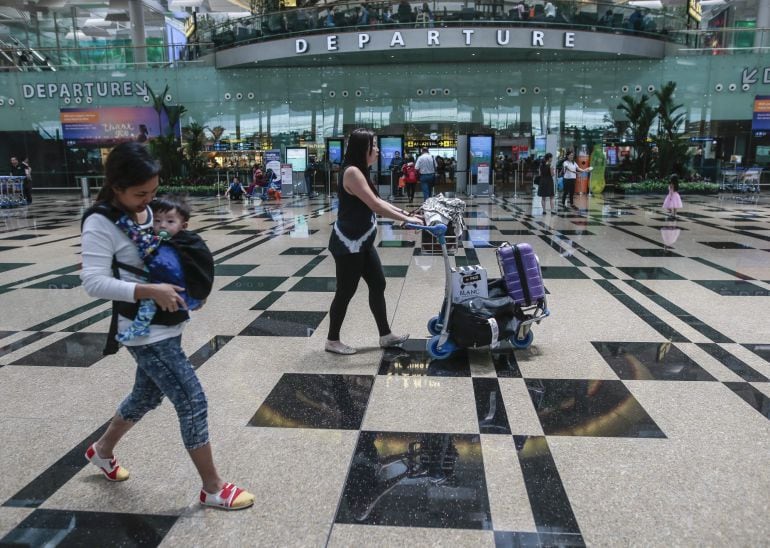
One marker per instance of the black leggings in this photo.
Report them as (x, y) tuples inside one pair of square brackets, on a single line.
[(410, 188), (350, 269), (569, 190)]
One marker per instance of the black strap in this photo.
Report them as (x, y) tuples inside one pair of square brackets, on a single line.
[(522, 274), (112, 346)]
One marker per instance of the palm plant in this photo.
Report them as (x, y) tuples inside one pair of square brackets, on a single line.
[(194, 136), (640, 115), (671, 144)]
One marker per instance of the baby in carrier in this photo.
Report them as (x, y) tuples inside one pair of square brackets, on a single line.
[(172, 255)]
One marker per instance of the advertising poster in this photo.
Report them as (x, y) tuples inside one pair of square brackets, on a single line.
[(273, 161), (112, 125), (483, 174), (287, 185), (540, 145), (297, 157), (480, 151), (390, 147), (761, 118), (334, 151)]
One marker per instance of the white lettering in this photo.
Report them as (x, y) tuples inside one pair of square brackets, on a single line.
[(468, 33), (64, 90), (331, 43), (433, 38), (363, 39), (537, 37), (300, 45), (397, 39), (569, 39), (503, 41), (40, 88), (101, 89), (89, 88), (28, 90), (115, 89), (52, 89), (77, 89), (766, 76), (127, 91), (141, 89)]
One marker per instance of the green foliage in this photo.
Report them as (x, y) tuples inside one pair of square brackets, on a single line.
[(194, 140), (640, 117), (190, 190), (660, 186), (672, 147)]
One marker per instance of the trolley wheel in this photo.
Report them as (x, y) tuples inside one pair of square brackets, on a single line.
[(523, 342), (434, 325), (439, 353)]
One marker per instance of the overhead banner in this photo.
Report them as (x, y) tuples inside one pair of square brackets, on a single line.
[(112, 125)]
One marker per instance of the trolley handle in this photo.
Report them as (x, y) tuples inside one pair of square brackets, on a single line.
[(436, 230)]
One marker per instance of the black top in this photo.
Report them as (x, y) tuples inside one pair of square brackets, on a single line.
[(18, 171), (355, 220)]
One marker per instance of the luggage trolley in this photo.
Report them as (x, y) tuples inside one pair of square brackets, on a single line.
[(11, 193), (441, 345)]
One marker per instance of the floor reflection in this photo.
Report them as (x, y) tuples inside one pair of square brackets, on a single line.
[(412, 360), (417, 480), (650, 361)]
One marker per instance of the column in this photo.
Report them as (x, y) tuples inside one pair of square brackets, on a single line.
[(762, 38), (136, 16)]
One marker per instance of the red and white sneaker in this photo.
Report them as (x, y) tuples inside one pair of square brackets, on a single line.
[(109, 467), (229, 498)]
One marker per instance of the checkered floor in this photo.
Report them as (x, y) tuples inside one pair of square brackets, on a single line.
[(639, 416)]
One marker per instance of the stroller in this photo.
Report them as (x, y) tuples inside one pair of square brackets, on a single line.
[(515, 302)]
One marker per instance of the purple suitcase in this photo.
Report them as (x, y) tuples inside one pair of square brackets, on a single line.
[(521, 273)]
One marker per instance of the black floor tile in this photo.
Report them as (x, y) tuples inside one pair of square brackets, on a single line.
[(761, 350), (86, 322), (316, 284), (734, 364), (752, 396), (526, 539), (65, 528), (209, 349), (604, 408), (76, 350), (412, 360), (551, 508), (24, 237), (576, 232), (562, 273), (650, 273), (303, 251), (245, 232), (267, 301), (734, 288), (284, 323), (395, 271), (315, 401), (60, 282), (416, 480), (726, 245), (655, 252), (490, 409), (650, 361), (305, 270), (233, 269), (505, 364), (396, 243), (518, 232), (255, 283), (5, 267)]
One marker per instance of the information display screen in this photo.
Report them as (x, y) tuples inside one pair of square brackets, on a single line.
[(297, 157), (390, 147), (479, 151), (112, 125), (334, 151)]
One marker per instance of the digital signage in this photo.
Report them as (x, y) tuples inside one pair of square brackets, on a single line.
[(761, 119), (390, 147), (480, 156), (297, 157), (334, 151), (112, 124)]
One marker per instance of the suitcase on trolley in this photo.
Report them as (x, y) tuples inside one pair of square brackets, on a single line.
[(521, 273)]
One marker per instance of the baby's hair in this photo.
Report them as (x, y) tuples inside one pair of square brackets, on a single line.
[(170, 202), (674, 181)]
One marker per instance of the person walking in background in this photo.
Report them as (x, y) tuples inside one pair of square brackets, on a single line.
[(545, 188), (22, 169), (352, 241), (426, 168), (131, 181), (673, 201), (411, 177)]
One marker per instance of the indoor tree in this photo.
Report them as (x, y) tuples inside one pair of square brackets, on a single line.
[(640, 115), (672, 145)]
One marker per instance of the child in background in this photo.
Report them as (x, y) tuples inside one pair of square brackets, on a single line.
[(172, 255), (673, 201)]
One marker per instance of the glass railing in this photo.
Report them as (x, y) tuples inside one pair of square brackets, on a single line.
[(352, 16), (723, 41)]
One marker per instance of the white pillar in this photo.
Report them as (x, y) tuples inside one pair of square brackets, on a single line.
[(762, 38), (136, 15)]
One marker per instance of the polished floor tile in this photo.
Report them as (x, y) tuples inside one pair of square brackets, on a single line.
[(303, 251), (255, 283), (60, 282), (562, 273), (728, 288), (233, 269), (733, 363), (315, 401), (761, 350), (655, 253), (396, 243), (416, 480), (752, 396), (727, 245), (650, 273), (70, 529), (75, 350), (490, 407), (395, 271), (5, 267), (283, 323), (650, 361), (412, 360), (268, 300), (316, 284), (590, 408)]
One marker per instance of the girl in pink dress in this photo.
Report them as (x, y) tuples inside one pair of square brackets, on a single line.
[(673, 201)]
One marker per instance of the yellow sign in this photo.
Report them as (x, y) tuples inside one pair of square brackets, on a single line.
[(189, 27), (694, 9)]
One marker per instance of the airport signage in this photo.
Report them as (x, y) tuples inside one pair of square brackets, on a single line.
[(435, 37), (694, 10), (84, 90)]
